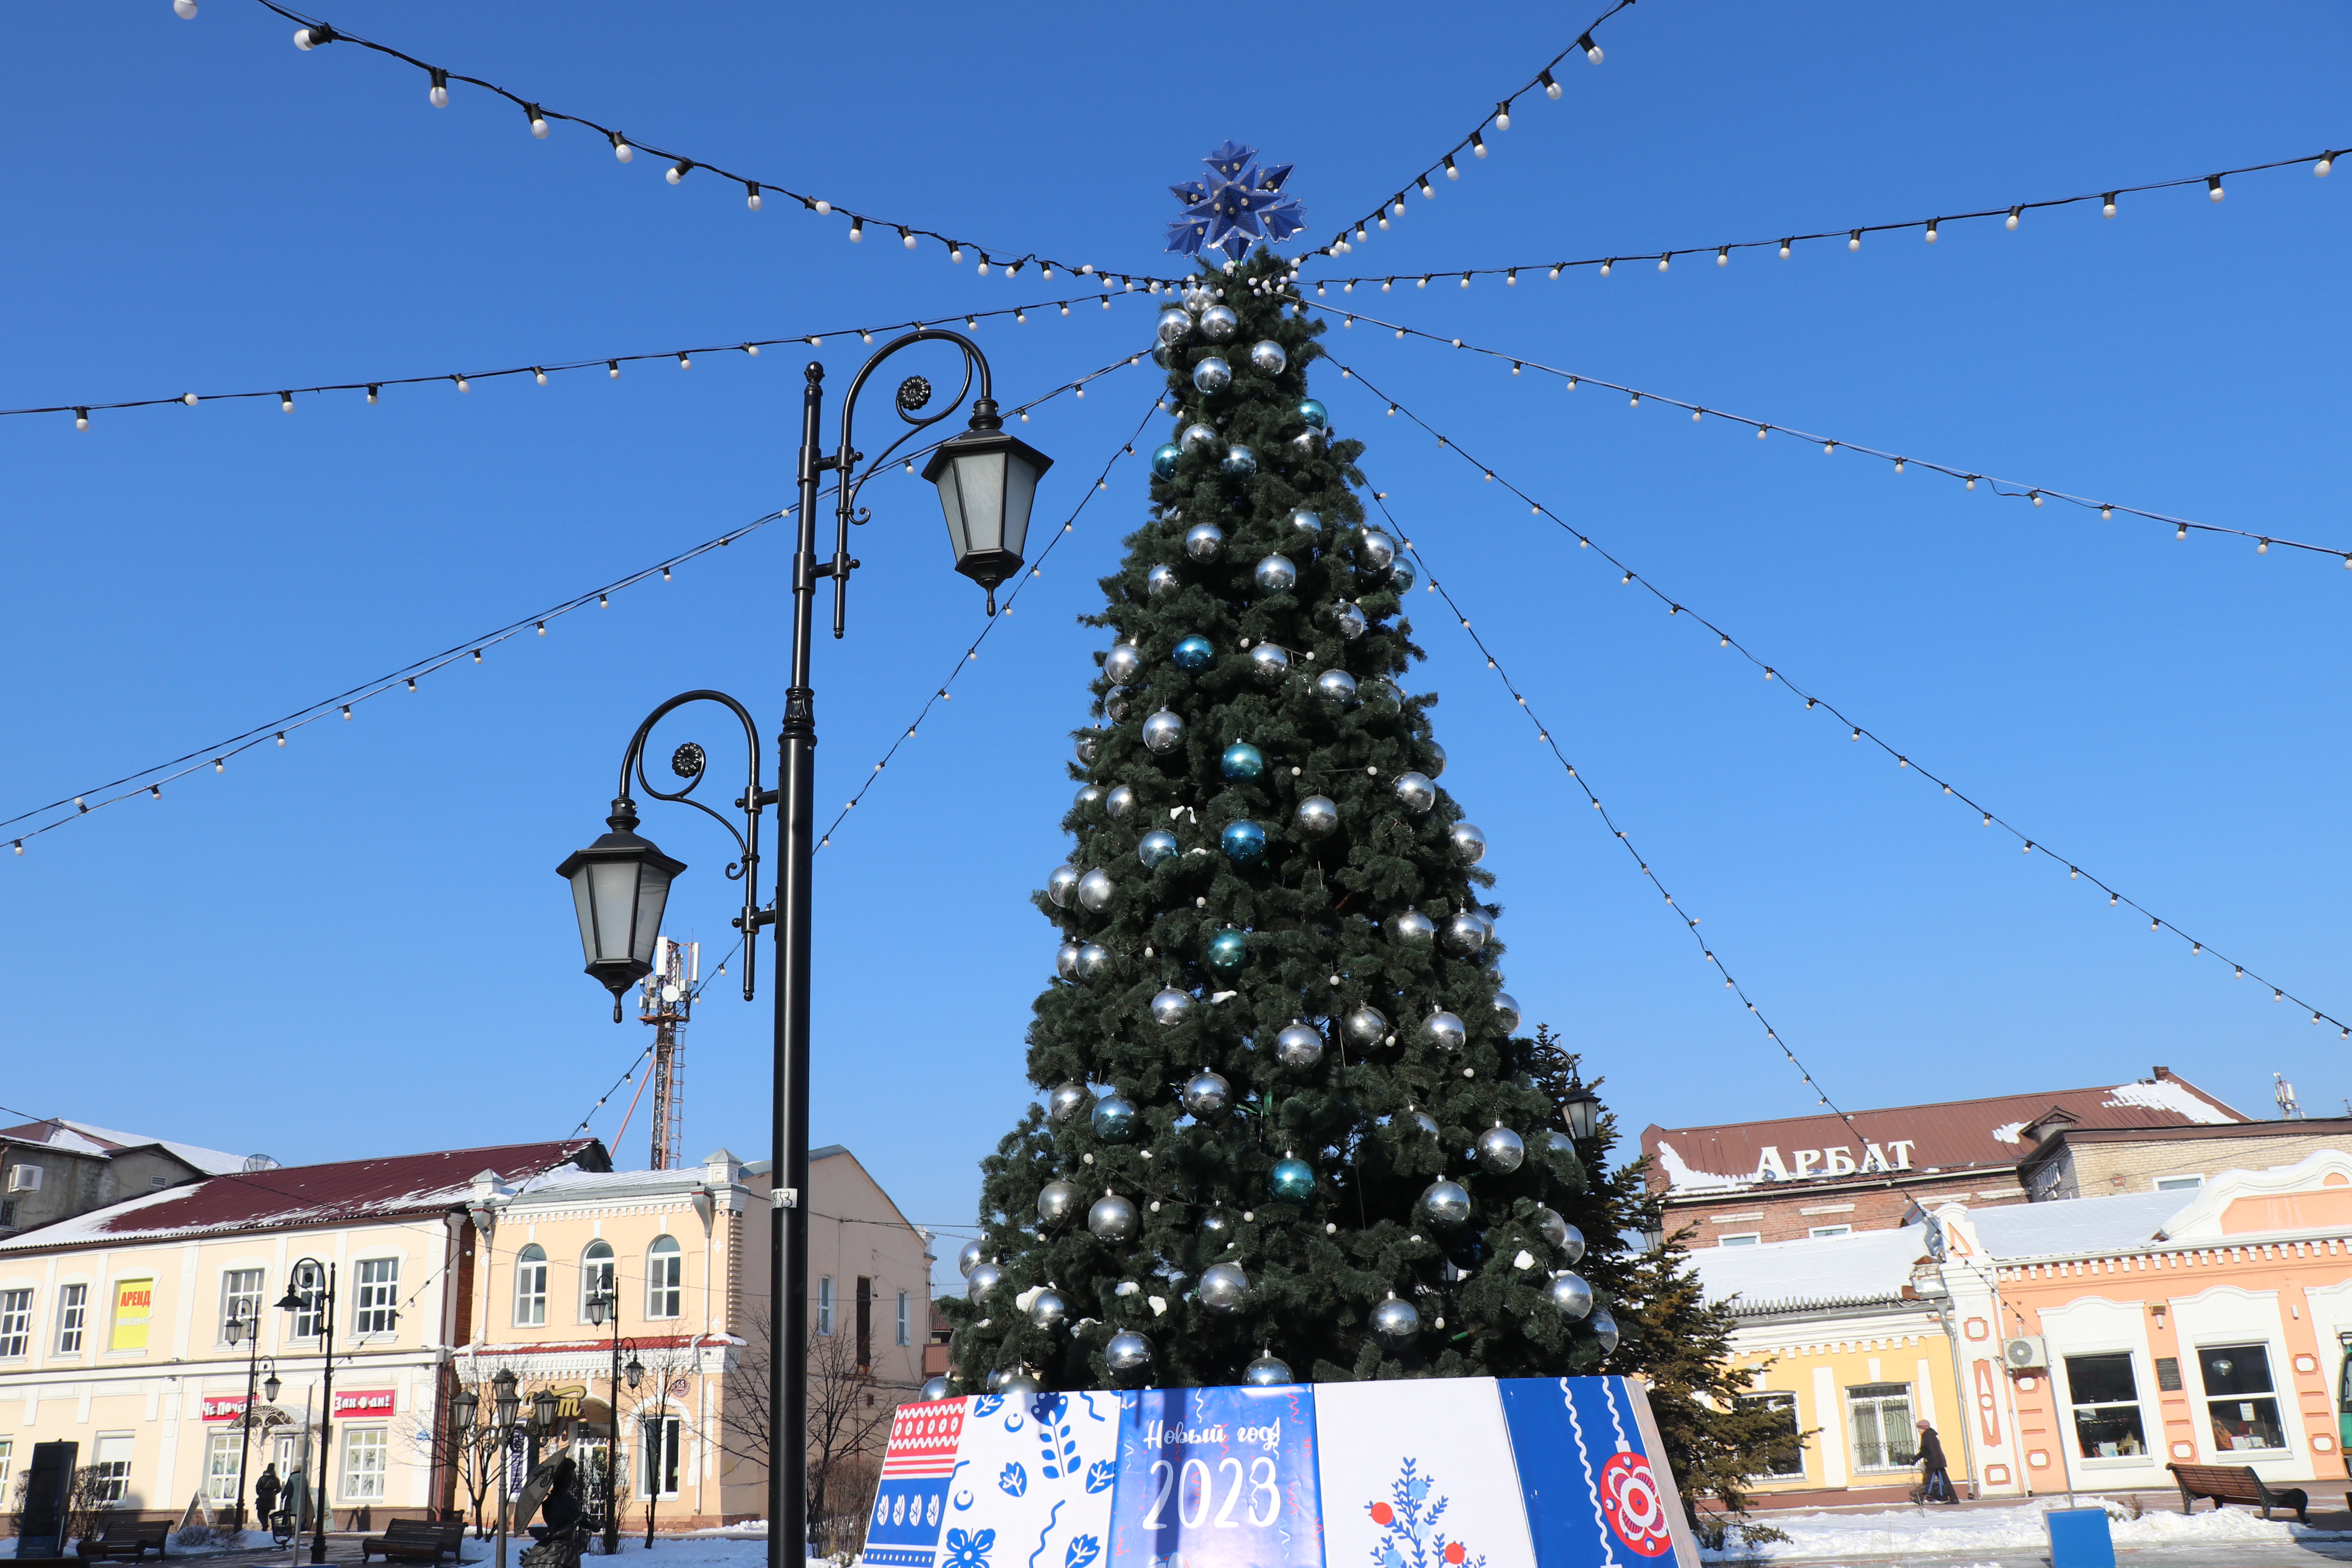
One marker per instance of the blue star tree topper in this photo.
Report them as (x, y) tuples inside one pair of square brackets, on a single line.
[(1239, 202)]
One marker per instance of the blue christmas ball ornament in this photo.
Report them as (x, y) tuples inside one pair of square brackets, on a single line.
[(1157, 844), (1315, 413), (1114, 1119), (1400, 575), (1238, 463), (1292, 1180), (1193, 653), (1242, 761), (1163, 461), (1228, 952), (1243, 842)]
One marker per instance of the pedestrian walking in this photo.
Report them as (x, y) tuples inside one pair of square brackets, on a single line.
[(265, 1495), (1935, 1477)]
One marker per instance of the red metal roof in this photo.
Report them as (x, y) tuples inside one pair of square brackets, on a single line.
[(1961, 1134), (293, 1195)]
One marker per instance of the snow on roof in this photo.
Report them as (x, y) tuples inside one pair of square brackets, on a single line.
[(212, 1162), (1680, 1175), (2171, 1094), (1869, 1267), (2068, 1226), (101, 1142)]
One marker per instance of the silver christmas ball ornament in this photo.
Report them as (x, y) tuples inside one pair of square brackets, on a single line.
[(1445, 1203), (1307, 442), (1443, 1030), (1096, 889), (1128, 1354), (1415, 792), (998, 1379), (1086, 747), (1466, 932), (1114, 1119), (1549, 1225), (1266, 356), (1066, 1101), (1604, 1328), (1205, 542), (1061, 884), (1268, 664), (1114, 705), (1500, 1150), (1298, 1047), (967, 1258), (1174, 327), (1395, 1323), (1317, 817), (1020, 1388), (934, 1389), (1507, 1012), (1093, 959), (1218, 323), (1375, 550), (1469, 844), (1238, 463), (1269, 1370), (1350, 622), (1047, 1310), (1065, 961), (1427, 1123), (1335, 688), (1124, 664), (1088, 795), (1367, 1024), (1170, 1005), (1162, 730), (1058, 1202), (1305, 522), (1275, 574), (1212, 375), (1382, 699), (1196, 437), (983, 1279), (1570, 1294), (1207, 1094), (1112, 1219), (1435, 753), (1571, 1242), (1119, 802), (1223, 1286), (1413, 927), (1161, 581)]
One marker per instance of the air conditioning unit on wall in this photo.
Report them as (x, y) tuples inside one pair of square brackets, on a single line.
[(24, 1178), (2025, 1353)]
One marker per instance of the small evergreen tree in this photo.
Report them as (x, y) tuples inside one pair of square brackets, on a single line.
[(1289, 1116)]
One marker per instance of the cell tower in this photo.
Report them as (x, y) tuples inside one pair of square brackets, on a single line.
[(667, 998)]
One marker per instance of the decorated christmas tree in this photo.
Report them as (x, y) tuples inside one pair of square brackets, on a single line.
[(1289, 1127)]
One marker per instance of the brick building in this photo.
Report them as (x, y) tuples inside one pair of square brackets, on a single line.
[(1816, 1176), (2100, 1162)]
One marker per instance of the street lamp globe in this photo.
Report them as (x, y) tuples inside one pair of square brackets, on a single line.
[(502, 1393), (464, 1405), (635, 1372), (987, 480), (542, 1409), (269, 1387), (596, 1308), (1581, 1109), (619, 887)]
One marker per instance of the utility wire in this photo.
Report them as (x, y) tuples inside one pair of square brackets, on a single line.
[(1676, 607)]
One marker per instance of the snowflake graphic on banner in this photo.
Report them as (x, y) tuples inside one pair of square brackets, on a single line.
[(1237, 203)]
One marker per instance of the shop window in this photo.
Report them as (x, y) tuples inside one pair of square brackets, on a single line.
[(240, 1300), (2238, 1390), (1740, 1239), (824, 1304), (73, 1312), (16, 1324), (1880, 1414), (377, 1308), (1788, 1452), (2106, 1405), (531, 1287), (596, 1277), (222, 1452), (664, 1271), (363, 1456), (658, 1444), (1819, 1231), (111, 1457)]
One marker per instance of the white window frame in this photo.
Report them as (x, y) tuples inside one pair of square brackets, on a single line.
[(7, 1453), (2075, 1405), (375, 1303), (665, 1278), (531, 1287), (367, 1454), (73, 1316), (231, 1297), (661, 1444), (118, 1483), (2281, 1400), (906, 1318), (1784, 1400), (824, 1304), (595, 1270), (1822, 1232), (1881, 1404), (17, 1323), (1741, 1239), (222, 1452), (2178, 1184)]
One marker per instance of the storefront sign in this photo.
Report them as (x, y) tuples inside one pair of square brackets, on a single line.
[(1894, 1154), (223, 1406), (135, 1300), (362, 1402)]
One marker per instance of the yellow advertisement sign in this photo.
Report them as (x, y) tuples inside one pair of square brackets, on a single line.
[(134, 1302)]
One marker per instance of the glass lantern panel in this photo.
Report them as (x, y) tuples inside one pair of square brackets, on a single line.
[(653, 892), (1020, 492), (612, 885), (980, 481), (951, 506), (584, 904)]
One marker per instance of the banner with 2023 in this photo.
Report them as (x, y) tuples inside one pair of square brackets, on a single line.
[(1427, 1473)]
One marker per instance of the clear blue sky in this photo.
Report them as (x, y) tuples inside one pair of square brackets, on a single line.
[(358, 945)]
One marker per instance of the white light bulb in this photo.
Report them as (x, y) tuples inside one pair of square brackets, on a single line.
[(684, 363), (184, 9), (1477, 147), (1853, 240), (1723, 256), (81, 418), (2012, 218), (1931, 232), (1555, 274), (437, 96), (675, 172), (955, 252), (614, 366), (907, 239), (751, 348), (539, 127), (857, 230), (2319, 168), (286, 402), (1605, 267), (372, 392), (2213, 187), (623, 150), (1502, 117), (1784, 250), (2107, 207), (1592, 53), (1551, 87), (823, 207), (1662, 262)]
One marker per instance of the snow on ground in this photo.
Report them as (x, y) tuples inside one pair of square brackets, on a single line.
[(1947, 1532)]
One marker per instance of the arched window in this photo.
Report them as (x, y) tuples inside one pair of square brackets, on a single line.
[(596, 1278), (664, 1268), (531, 1287)]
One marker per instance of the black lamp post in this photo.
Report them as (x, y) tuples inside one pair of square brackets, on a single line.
[(318, 1298), (602, 1302), (244, 1325), (505, 1405), (987, 480)]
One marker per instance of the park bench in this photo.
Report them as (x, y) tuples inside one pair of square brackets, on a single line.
[(415, 1540), (2236, 1483), (126, 1540)]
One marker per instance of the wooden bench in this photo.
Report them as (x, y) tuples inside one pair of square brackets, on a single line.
[(2236, 1483), (126, 1539), (416, 1541)]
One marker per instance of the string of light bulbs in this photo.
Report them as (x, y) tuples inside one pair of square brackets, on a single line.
[(1641, 862), (2027, 845), (1472, 142), (2011, 217), (311, 34), (971, 652), (150, 781), (2016, 490), (610, 363)]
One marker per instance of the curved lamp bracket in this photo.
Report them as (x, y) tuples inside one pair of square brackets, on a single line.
[(691, 763)]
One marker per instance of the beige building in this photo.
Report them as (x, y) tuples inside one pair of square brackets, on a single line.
[(2075, 1162)]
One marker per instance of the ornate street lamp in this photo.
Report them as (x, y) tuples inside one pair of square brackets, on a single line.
[(318, 1298), (271, 1386), (987, 482), (506, 1406), (1581, 1109), (542, 1411)]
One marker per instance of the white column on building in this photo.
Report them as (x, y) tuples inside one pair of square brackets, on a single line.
[(1831, 1419)]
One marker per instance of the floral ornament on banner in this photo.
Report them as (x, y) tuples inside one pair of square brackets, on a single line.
[(1238, 203)]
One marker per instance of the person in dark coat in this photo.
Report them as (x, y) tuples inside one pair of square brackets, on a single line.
[(561, 1508), (265, 1495), (1936, 1473)]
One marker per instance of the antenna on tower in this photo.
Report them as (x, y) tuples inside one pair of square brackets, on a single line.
[(666, 997), (2285, 1094)]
